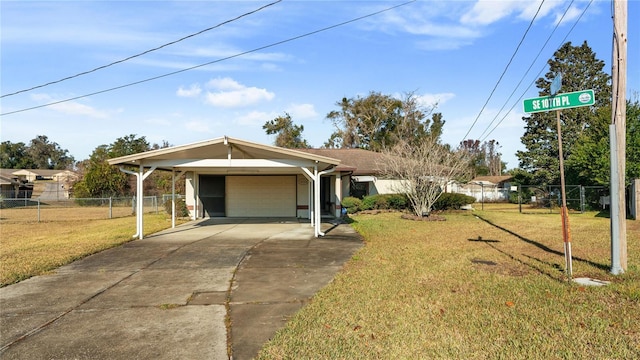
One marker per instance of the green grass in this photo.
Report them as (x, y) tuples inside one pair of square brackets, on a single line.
[(491, 286), (29, 249)]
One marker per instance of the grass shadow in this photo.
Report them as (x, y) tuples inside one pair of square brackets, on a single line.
[(542, 246), (491, 243)]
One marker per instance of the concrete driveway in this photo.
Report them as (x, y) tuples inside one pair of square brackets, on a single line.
[(171, 295)]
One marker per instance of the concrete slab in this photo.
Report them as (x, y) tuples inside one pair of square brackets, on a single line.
[(190, 332), (255, 324), (590, 282), (167, 296)]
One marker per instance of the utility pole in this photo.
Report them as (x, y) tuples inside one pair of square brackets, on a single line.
[(617, 131)]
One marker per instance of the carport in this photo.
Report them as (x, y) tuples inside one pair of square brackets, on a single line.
[(227, 177)]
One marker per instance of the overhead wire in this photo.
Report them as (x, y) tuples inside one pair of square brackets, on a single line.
[(142, 53), (215, 61), (504, 71), (540, 72), (527, 72)]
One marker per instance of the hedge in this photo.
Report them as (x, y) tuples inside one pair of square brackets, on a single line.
[(452, 201)]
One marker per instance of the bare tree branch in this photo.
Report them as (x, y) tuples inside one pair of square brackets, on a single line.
[(423, 171)]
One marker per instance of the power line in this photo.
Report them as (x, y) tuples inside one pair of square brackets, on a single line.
[(540, 72), (215, 61), (505, 71), (142, 53), (529, 69)]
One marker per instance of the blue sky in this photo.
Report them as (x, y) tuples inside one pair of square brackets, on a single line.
[(447, 52)]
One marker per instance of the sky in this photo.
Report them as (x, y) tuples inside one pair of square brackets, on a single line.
[(295, 57)]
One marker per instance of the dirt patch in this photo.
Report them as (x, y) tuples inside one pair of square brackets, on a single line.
[(431, 217), (505, 269)]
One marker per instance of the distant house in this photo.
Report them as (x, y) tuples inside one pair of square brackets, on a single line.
[(9, 187), (486, 188), (62, 176)]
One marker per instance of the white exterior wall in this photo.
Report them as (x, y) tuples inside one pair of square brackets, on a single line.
[(191, 198), (302, 195), (383, 186)]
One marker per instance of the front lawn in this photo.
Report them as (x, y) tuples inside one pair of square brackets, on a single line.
[(484, 285)]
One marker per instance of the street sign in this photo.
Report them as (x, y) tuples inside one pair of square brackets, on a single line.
[(556, 84), (560, 101)]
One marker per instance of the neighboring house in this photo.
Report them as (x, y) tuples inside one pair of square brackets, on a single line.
[(31, 175), (486, 188), (9, 186)]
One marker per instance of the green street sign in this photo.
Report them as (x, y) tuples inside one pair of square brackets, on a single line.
[(560, 101)]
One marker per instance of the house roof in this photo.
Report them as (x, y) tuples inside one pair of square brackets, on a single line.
[(492, 179), (4, 180), (41, 172), (360, 161), (229, 155)]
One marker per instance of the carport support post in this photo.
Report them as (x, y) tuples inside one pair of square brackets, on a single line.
[(140, 176), (140, 202), (317, 202), (315, 213)]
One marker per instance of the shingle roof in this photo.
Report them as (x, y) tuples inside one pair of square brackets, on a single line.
[(360, 161)]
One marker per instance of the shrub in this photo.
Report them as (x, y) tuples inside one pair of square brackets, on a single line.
[(452, 201), (397, 201), (181, 208), (374, 202), (352, 204)]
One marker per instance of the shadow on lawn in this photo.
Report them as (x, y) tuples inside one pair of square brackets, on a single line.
[(542, 271), (540, 246)]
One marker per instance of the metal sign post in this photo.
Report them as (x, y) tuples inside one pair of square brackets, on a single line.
[(566, 234), (558, 102)]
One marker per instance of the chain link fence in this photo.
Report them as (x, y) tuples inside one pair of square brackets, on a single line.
[(30, 210), (549, 198)]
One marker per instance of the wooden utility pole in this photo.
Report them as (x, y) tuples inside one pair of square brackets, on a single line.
[(618, 139)]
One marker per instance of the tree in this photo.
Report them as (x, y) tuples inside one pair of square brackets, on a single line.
[(580, 70), (127, 145), (484, 158), (100, 179), (590, 161), (48, 155), (423, 171), (103, 180), (379, 121), (39, 154), (15, 156), (287, 134)]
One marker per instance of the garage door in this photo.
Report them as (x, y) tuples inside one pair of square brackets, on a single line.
[(261, 196)]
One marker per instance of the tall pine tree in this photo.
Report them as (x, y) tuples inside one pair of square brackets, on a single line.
[(580, 70)]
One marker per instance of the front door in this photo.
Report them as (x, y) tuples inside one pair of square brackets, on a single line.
[(212, 195)]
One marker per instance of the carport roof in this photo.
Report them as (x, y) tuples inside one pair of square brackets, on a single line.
[(227, 153)]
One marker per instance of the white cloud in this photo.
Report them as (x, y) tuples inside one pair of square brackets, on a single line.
[(254, 118), (434, 99), (225, 84), (572, 14), (233, 94), (486, 12), (70, 107), (193, 91), (301, 111)]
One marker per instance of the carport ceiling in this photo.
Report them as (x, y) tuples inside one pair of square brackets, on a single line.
[(227, 155)]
